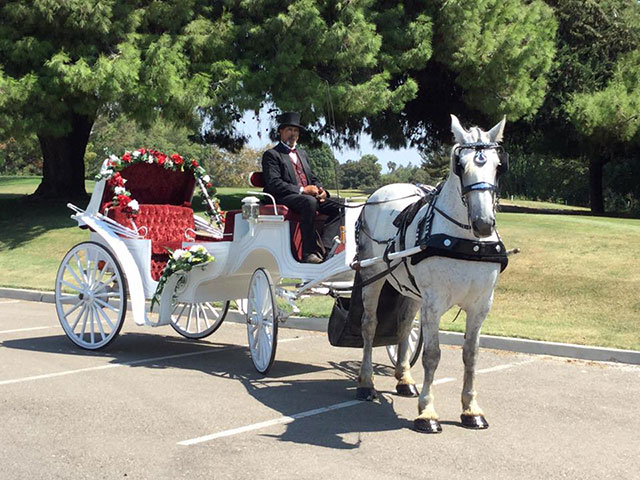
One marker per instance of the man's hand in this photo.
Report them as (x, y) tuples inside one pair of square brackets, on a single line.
[(311, 190), (322, 195)]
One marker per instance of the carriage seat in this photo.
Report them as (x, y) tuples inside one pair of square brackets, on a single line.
[(257, 180), (167, 226)]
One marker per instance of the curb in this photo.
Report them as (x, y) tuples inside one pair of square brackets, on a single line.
[(534, 347)]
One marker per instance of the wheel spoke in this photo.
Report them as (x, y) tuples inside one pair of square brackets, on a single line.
[(186, 328), (71, 286), (73, 309), (106, 305), (80, 269), (73, 274), (98, 321), (204, 316), (78, 317), (84, 324), (106, 318), (104, 284), (91, 324)]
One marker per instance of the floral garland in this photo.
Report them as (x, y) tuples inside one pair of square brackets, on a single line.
[(181, 261), (122, 197)]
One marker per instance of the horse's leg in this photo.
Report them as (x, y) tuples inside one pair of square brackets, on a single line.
[(427, 420), (370, 296), (406, 385), (472, 415)]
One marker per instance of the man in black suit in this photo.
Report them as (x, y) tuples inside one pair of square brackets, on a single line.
[(288, 177)]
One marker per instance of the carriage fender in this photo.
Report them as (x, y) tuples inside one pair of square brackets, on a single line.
[(127, 263)]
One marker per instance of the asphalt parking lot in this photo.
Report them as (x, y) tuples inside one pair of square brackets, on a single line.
[(155, 405)]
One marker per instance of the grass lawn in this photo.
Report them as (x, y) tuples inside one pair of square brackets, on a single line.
[(575, 281)]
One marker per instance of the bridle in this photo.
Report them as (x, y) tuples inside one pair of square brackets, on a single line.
[(480, 159)]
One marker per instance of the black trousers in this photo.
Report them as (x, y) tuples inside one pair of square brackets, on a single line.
[(306, 206)]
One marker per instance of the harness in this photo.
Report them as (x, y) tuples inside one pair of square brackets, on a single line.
[(440, 245)]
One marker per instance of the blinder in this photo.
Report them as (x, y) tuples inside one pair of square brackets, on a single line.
[(479, 147)]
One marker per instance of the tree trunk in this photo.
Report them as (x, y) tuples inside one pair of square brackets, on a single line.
[(596, 197), (63, 168)]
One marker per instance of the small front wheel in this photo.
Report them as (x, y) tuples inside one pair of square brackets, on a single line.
[(262, 320), (197, 320), (415, 344), (90, 295)]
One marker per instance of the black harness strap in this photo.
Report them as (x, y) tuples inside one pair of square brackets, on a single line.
[(440, 245)]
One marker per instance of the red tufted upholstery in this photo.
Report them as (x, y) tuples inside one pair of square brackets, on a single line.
[(153, 184), (167, 226)]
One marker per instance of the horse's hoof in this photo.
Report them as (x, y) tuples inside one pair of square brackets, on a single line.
[(477, 422), (427, 425), (366, 394), (407, 390)]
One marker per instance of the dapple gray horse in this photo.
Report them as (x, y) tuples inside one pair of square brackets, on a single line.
[(465, 210)]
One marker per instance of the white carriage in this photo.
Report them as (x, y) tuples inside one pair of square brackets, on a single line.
[(118, 268)]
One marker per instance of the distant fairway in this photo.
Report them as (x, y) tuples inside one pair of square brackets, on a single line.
[(576, 280)]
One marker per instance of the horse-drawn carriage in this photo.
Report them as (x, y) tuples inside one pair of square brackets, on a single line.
[(410, 250)]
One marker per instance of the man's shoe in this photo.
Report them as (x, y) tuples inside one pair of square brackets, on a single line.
[(311, 258)]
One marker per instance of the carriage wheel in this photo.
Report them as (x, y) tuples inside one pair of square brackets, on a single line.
[(262, 321), (197, 320), (90, 296), (415, 344)]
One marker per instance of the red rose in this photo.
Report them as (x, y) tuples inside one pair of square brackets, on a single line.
[(142, 151), (177, 159), (123, 200), (126, 158), (116, 181), (194, 163), (161, 158), (209, 185)]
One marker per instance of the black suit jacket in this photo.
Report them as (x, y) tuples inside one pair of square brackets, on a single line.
[(279, 175)]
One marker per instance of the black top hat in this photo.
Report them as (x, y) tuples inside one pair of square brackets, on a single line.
[(289, 119)]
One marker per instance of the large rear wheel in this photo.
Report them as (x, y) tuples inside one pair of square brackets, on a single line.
[(262, 320), (90, 295)]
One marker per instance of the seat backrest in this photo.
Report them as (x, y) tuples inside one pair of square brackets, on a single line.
[(256, 179), (154, 184)]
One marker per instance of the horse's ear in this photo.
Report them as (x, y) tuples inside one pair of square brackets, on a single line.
[(495, 134), (459, 133)]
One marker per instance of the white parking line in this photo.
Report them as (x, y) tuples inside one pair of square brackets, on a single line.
[(125, 364), (290, 418), (9, 301), (28, 329)]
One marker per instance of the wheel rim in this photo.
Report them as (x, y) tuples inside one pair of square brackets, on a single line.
[(262, 328), (415, 343), (197, 320), (90, 296)]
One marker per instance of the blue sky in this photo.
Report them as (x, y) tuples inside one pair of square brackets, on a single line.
[(250, 126)]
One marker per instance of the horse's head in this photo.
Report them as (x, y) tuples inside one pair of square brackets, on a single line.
[(478, 160)]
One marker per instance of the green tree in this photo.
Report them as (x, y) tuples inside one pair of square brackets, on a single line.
[(324, 164), (61, 62), (364, 173), (589, 109)]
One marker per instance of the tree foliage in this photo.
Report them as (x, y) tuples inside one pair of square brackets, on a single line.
[(363, 173)]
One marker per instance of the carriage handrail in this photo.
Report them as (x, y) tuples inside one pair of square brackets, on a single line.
[(273, 200), (117, 227)]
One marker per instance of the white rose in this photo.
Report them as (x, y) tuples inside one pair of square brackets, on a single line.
[(168, 163), (119, 190), (136, 154), (114, 159), (134, 205), (177, 254), (198, 249), (206, 179)]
